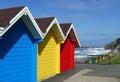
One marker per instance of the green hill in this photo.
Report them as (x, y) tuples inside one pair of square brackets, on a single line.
[(113, 45), (115, 59)]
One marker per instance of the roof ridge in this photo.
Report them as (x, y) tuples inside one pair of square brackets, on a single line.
[(10, 16)]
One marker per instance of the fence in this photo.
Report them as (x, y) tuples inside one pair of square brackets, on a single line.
[(93, 59)]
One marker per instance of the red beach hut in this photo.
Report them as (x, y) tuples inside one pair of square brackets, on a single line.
[(67, 48)]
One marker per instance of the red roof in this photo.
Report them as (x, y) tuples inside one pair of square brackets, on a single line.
[(72, 35), (43, 23), (65, 27), (7, 14)]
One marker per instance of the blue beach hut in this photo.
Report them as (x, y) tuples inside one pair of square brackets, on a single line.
[(18, 36)]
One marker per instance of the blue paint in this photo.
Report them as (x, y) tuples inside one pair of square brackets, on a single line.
[(18, 55), (38, 40)]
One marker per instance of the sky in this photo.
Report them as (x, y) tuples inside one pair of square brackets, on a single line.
[(97, 22)]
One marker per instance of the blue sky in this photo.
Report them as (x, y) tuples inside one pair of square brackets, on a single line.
[(97, 22)]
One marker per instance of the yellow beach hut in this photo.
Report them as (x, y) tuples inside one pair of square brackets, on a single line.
[(48, 60)]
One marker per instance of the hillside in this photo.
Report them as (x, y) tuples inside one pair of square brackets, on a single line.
[(115, 59), (113, 45)]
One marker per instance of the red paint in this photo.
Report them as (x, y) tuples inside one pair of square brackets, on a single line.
[(67, 55)]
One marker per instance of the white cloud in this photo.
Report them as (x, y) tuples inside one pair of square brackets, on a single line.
[(79, 5), (83, 4), (68, 4), (102, 4), (75, 16)]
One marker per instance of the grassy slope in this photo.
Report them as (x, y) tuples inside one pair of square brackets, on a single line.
[(115, 59), (109, 46)]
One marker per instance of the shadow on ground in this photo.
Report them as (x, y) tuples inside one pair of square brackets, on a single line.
[(97, 71), (65, 75)]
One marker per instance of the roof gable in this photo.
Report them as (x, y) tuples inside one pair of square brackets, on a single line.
[(65, 28), (9, 16), (45, 24), (68, 30)]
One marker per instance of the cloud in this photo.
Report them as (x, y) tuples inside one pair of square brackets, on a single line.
[(96, 42), (78, 5), (116, 34), (93, 36), (97, 39), (82, 4), (102, 4), (98, 36), (73, 16), (78, 15), (68, 4), (76, 9)]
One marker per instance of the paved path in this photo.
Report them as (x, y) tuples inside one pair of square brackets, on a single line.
[(89, 73)]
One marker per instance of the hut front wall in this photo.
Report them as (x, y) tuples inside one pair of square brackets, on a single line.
[(67, 55), (48, 62), (17, 55)]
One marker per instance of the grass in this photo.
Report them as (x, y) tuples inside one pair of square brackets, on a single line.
[(111, 60), (115, 59), (105, 61)]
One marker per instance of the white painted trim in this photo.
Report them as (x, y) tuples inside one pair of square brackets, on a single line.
[(50, 26), (1, 29), (59, 28), (25, 10), (72, 27), (34, 22), (12, 21), (76, 35)]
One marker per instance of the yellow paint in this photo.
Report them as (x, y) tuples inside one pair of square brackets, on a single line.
[(110, 54), (96, 59), (100, 58), (48, 61)]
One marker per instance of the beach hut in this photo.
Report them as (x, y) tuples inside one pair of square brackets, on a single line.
[(67, 48), (48, 62), (18, 36)]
